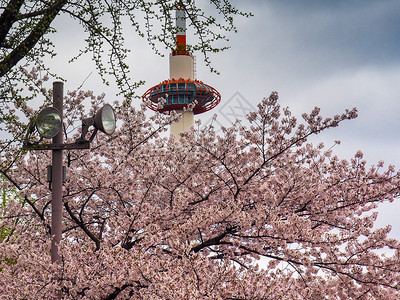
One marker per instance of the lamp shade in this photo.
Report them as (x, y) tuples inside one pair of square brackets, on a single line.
[(104, 120), (48, 122)]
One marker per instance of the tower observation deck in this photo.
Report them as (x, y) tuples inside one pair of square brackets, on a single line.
[(182, 88), (179, 93)]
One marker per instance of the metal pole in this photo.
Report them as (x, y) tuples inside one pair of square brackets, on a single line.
[(57, 177)]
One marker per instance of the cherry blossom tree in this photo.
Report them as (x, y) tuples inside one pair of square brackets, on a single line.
[(256, 212)]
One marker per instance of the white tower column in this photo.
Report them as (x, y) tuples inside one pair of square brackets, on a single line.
[(181, 66)]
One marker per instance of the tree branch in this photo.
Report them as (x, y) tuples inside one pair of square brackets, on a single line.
[(213, 241), (82, 225), (8, 17), (31, 40)]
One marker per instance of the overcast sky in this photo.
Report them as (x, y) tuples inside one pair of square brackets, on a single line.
[(331, 54)]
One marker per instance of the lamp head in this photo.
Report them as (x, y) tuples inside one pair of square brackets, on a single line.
[(48, 122), (104, 120)]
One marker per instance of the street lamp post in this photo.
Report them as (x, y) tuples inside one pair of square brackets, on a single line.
[(49, 124), (57, 176)]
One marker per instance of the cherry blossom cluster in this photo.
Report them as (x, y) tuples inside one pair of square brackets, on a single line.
[(255, 212)]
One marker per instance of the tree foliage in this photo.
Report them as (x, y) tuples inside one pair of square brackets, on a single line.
[(254, 213), (26, 28)]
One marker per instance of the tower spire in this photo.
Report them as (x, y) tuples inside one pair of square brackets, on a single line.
[(180, 20)]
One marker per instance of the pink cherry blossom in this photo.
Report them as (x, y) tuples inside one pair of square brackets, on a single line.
[(256, 212)]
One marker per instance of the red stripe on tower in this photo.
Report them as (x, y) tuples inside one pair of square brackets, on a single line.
[(181, 32)]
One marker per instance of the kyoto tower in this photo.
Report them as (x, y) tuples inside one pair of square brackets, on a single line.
[(182, 88)]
